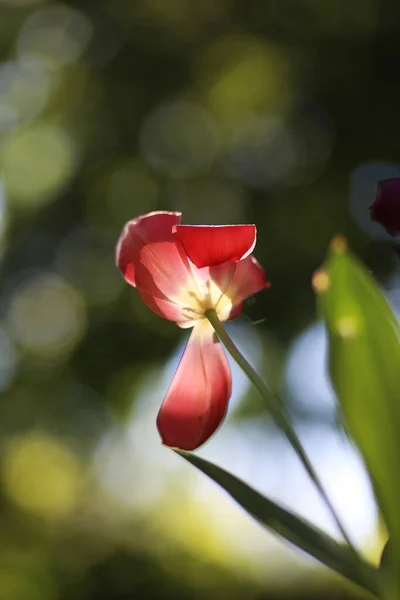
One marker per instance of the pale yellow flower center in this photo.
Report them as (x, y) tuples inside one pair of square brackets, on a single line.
[(207, 295)]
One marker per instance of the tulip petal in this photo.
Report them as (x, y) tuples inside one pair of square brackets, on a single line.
[(150, 259), (197, 399), (209, 245), (163, 271), (167, 309), (248, 279), (146, 229)]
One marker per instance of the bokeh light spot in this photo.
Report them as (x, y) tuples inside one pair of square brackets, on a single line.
[(306, 372), (58, 34), (320, 281), (36, 163), (122, 188), (24, 90), (131, 181), (263, 153), (41, 475), (47, 316), (246, 76), (347, 326), (179, 138), (87, 261)]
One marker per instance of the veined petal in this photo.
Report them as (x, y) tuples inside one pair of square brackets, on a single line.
[(209, 245), (146, 229), (215, 280), (162, 271), (151, 260), (167, 309), (248, 279), (197, 399)]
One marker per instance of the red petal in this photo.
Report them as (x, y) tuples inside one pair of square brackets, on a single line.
[(248, 279), (153, 227), (215, 244), (166, 309), (149, 258), (163, 272), (197, 399), (386, 208)]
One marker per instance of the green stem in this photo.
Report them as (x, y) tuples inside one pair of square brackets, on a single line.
[(276, 407)]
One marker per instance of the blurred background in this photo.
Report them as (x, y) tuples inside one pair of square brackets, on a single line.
[(283, 114)]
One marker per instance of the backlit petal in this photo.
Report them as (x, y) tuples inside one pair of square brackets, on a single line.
[(197, 399), (162, 271), (151, 260), (146, 229), (212, 245), (167, 309), (248, 279), (217, 279)]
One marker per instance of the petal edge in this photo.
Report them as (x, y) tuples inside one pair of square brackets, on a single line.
[(152, 227), (211, 245)]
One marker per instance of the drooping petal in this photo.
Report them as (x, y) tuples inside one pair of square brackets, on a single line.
[(197, 399), (248, 279), (146, 229), (209, 245)]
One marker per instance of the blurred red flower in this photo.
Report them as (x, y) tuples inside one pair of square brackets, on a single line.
[(386, 208)]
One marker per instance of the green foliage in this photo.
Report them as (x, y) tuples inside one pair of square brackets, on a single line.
[(288, 526), (364, 362)]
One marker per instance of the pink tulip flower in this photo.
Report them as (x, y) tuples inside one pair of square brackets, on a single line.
[(180, 271)]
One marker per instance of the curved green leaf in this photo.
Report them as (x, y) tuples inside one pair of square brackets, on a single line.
[(364, 362), (289, 526)]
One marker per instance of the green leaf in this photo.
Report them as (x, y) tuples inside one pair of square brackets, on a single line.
[(289, 526), (364, 362)]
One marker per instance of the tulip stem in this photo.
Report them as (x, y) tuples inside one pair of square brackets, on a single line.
[(279, 414)]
